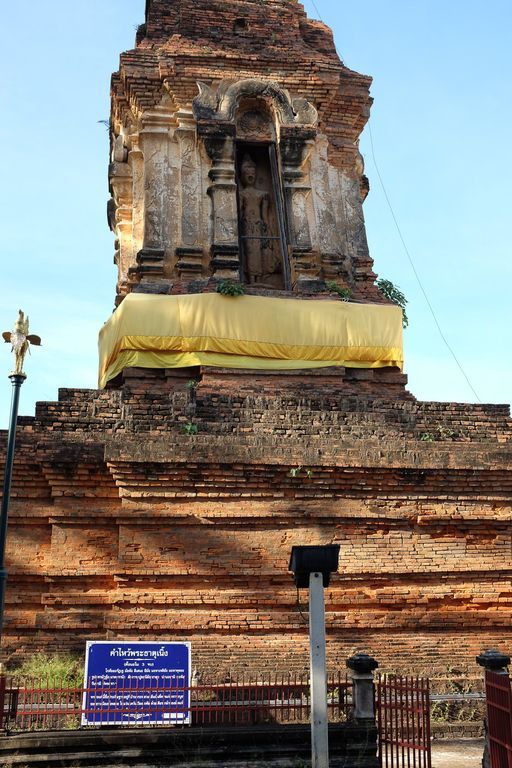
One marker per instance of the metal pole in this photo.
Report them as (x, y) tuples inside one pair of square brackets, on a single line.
[(17, 380), (319, 729)]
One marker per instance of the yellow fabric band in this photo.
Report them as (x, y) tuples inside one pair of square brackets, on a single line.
[(247, 332)]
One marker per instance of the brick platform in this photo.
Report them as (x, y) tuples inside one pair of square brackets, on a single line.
[(123, 526)]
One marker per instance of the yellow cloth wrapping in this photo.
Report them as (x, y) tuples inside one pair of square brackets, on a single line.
[(149, 331)]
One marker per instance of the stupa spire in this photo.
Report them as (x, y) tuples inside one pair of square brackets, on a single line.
[(208, 84)]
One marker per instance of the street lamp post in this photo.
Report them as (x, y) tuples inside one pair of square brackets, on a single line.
[(312, 567), (17, 380), (20, 340)]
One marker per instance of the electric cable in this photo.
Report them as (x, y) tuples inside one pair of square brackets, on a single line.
[(304, 619), (415, 272), (409, 257), (316, 9)]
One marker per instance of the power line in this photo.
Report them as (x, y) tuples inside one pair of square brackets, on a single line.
[(316, 9), (413, 267), (411, 262)]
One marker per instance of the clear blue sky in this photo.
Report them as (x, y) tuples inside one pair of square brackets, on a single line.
[(441, 131)]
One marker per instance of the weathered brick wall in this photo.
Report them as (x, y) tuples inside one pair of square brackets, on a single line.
[(200, 41), (123, 526)]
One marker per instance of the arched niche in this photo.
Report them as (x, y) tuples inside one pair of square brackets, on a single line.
[(262, 231), (255, 134)]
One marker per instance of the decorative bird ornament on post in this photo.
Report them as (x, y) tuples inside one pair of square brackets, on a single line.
[(21, 340)]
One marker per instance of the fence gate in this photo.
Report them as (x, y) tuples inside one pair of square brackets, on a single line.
[(403, 716), (499, 718)]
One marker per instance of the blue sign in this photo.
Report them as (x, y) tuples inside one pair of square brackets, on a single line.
[(128, 683)]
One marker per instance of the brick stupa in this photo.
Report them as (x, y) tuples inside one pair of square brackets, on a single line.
[(165, 505)]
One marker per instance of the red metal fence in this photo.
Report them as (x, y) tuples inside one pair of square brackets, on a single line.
[(499, 718), (34, 704), (403, 713)]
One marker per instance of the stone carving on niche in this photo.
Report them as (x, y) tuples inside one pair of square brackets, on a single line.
[(222, 103), (224, 223), (157, 189), (190, 189), (220, 146), (189, 252), (262, 262), (299, 204), (120, 210), (255, 125)]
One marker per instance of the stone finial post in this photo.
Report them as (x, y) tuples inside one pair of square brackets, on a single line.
[(494, 661), (361, 670), (497, 662)]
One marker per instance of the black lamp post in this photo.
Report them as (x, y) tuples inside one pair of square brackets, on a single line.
[(17, 380), (20, 341)]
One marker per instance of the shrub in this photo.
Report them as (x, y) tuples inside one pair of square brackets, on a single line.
[(394, 294), (343, 293), (229, 288)]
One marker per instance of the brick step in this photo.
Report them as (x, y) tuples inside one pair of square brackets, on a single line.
[(242, 747), (64, 759), (161, 756)]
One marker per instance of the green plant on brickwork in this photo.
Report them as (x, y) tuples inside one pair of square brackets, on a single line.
[(441, 433), (190, 428), (445, 433), (229, 288), (394, 294), (192, 384), (297, 471), (343, 293)]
